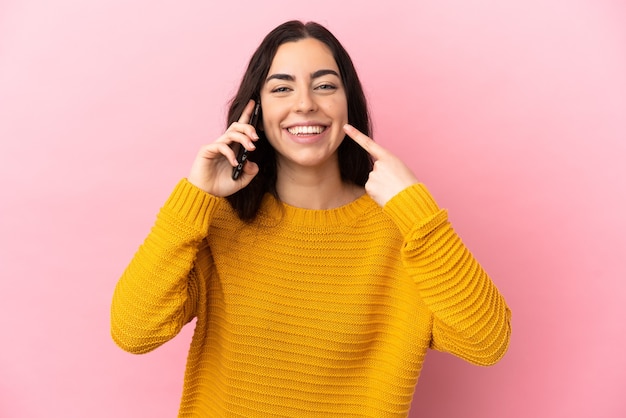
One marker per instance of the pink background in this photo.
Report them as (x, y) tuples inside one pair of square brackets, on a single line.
[(512, 112)]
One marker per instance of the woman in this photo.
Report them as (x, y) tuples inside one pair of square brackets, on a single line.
[(322, 274)]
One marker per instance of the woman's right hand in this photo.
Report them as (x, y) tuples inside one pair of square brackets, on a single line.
[(213, 167)]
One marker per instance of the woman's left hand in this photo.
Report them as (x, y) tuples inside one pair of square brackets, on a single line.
[(390, 175)]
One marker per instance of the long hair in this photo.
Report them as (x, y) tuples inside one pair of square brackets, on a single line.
[(354, 162)]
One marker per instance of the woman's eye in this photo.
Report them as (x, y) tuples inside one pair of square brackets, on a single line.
[(280, 90), (326, 87)]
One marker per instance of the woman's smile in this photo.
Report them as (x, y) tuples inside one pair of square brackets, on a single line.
[(304, 130), (306, 133)]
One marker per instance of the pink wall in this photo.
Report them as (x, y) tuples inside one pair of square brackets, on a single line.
[(513, 112)]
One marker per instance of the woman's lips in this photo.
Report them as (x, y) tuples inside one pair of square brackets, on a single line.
[(306, 134), (306, 129)]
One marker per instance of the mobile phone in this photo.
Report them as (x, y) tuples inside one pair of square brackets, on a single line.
[(242, 154)]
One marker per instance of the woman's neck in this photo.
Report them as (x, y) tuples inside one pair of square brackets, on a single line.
[(314, 187)]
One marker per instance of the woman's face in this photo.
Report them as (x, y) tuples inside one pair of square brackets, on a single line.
[(304, 105)]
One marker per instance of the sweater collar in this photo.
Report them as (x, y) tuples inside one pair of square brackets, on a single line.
[(273, 210)]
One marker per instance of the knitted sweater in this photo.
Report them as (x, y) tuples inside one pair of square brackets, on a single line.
[(307, 313)]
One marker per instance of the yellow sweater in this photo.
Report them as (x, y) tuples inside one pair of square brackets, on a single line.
[(307, 313)]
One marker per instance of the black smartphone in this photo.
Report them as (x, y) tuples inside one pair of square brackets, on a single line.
[(242, 154)]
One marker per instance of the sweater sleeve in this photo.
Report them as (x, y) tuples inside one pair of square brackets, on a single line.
[(471, 318), (155, 297)]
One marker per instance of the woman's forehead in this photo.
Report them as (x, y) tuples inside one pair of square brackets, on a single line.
[(303, 56)]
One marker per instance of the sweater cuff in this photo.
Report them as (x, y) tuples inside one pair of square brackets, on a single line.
[(192, 204), (411, 206)]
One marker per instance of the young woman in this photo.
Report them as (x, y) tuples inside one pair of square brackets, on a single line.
[(320, 277)]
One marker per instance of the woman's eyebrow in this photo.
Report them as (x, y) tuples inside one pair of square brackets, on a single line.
[(289, 77), (320, 73), (279, 76)]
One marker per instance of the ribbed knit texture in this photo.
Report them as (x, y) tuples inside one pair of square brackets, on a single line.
[(307, 313)]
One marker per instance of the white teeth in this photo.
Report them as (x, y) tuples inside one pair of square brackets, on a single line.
[(306, 130)]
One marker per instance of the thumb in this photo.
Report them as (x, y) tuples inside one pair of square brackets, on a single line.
[(250, 170)]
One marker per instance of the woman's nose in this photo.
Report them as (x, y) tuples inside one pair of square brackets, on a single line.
[(305, 102)]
